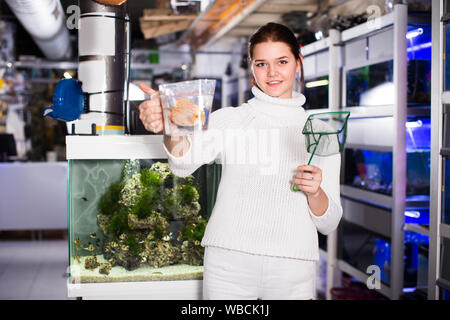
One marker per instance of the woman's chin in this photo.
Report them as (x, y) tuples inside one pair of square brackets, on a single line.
[(279, 94)]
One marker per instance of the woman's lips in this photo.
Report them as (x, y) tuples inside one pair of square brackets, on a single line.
[(273, 83)]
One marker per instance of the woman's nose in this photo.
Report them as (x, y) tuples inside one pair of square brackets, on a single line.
[(271, 71)]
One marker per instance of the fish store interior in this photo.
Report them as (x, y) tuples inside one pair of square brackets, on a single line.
[(89, 208)]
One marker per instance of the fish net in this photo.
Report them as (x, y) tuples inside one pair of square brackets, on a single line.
[(325, 134)]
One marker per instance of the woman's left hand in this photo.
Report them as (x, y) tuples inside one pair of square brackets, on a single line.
[(308, 179)]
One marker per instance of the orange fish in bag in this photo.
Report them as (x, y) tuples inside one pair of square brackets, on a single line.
[(186, 113)]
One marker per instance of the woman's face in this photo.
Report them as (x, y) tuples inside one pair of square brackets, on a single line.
[(274, 68)]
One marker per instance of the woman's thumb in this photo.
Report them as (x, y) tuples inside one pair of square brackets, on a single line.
[(146, 89)]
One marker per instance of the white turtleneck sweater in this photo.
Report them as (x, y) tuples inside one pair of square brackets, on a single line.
[(260, 145)]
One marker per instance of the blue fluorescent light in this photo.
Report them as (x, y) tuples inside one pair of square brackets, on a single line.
[(412, 214), (414, 33), (414, 124)]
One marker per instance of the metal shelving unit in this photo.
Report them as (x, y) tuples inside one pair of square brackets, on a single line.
[(322, 59), (382, 129), (439, 230)]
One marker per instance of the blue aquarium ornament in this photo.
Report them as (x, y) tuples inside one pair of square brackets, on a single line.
[(68, 101)]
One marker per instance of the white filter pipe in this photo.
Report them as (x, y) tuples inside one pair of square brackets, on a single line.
[(45, 21)]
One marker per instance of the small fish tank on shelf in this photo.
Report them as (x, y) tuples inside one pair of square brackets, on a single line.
[(373, 85), (134, 227), (371, 170), (361, 248), (446, 193)]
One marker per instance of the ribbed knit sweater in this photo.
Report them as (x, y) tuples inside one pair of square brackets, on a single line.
[(260, 145)]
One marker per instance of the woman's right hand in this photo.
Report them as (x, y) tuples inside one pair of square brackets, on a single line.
[(150, 111)]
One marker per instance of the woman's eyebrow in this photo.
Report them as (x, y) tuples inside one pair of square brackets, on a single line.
[(283, 57)]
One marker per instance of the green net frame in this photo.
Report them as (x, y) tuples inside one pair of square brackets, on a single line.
[(325, 134)]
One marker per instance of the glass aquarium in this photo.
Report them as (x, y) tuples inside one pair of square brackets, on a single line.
[(316, 93), (419, 64), (373, 85), (446, 193), (372, 169), (370, 85), (444, 267), (133, 220), (447, 57), (362, 248)]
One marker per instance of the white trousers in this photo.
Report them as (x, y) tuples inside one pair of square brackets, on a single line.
[(234, 275)]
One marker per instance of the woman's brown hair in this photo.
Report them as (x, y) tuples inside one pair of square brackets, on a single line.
[(276, 32)]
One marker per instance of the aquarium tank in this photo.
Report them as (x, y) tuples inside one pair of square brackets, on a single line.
[(133, 220), (362, 248), (373, 85), (372, 169), (446, 193), (447, 57), (370, 85), (316, 93)]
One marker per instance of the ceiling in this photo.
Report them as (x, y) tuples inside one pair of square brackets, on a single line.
[(242, 21), (271, 11)]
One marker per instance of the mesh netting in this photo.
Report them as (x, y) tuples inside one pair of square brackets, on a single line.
[(325, 133)]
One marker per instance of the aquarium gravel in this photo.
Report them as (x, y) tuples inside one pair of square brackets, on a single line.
[(143, 273)]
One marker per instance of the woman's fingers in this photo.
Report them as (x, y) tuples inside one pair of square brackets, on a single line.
[(150, 106), (147, 89), (308, 178), (150, 113), (309, 172), (153, 126), (304, 182), (309, 168)]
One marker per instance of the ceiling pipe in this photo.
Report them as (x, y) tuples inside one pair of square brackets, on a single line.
[(45, 22)]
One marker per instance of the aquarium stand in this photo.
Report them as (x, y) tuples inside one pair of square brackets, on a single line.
[(150, 290)]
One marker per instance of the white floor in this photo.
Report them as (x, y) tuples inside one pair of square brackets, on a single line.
[(33, 270)]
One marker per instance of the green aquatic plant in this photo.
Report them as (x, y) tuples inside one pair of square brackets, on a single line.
[(145, 204), (151, 178), (195, 230), (187, 194), (109, 201), (119, 223), (133, 244)]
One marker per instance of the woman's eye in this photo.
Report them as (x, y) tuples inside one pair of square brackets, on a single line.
[(283, 61), (261, 64)]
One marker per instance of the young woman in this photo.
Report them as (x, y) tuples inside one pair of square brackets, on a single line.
[(261, 239)]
